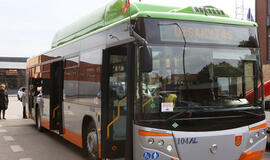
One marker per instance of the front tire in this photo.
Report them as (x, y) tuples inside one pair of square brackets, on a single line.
[(91, 144)]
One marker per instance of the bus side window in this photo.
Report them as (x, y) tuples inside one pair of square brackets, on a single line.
[(89, 78)]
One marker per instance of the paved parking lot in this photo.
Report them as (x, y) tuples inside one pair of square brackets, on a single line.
[(19, 140), (267, 156)]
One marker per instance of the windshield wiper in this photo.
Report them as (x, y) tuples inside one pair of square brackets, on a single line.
[(250, 113), (231, 97), (186, 112), (182, 113)]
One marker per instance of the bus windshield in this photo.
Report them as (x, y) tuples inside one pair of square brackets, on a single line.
[(198, 78)]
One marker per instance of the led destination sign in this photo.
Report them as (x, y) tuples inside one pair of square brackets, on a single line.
[(205, 33), (195, 32)]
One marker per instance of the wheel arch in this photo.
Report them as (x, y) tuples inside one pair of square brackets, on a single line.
[(87, 119)]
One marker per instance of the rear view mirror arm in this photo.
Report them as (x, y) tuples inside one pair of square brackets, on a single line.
[(137, 36)]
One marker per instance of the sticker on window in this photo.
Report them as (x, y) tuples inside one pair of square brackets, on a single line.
[(166, 107)]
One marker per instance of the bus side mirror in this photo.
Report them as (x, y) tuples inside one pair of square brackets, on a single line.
[(146, 61)]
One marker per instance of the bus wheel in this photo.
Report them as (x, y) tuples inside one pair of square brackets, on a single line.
[(38, 120), (91, 142)]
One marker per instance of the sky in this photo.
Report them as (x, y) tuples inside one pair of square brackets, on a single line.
[(27, 27)]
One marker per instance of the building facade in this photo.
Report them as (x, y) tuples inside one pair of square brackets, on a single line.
[(12, 72), (263, 20)]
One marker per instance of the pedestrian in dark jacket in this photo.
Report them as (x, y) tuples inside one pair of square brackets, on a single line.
[(23, 103), (3, 100)]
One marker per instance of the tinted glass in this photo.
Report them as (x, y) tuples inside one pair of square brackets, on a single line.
[(89, 78), (199, 32), (71, 79), (200, 79)]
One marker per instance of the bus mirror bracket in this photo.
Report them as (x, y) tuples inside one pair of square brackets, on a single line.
[(146, 61)]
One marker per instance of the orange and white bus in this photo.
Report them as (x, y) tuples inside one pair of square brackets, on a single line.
[(153, 82)]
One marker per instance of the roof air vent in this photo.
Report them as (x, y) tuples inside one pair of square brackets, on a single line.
[(209, 10)]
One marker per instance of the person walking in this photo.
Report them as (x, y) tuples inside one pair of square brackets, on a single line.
[(3, 100), (23, 103)]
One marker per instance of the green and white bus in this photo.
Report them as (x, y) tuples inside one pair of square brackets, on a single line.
[(157, 82)]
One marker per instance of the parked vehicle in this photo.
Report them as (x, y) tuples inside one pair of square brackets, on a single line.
[(174, 84)]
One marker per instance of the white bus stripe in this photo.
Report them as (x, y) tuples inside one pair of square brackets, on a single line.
[(3, 130), (8, 138), (16, 148), (25, 159)]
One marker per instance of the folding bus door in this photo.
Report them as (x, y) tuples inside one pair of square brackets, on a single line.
[(56, 97), (115, 103)]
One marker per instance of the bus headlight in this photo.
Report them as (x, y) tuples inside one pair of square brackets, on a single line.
[(257, 134), (161, 142), (263, 132), (251, 140), (169, 148), (151, 141)]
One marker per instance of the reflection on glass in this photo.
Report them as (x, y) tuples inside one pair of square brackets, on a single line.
[(70, 91), (89, 78), (117, 94), (208, 77)]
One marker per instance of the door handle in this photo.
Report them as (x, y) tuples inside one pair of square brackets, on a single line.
[(116, 118), (54, 110)]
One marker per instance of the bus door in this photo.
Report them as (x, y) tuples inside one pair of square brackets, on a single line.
[(114, 102), (56, 97)]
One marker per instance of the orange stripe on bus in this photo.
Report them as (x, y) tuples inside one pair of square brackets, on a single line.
[(258, 127), (249, 155), (153, 134), (67, 134), (45, 123), (72, 137), (99, 151)]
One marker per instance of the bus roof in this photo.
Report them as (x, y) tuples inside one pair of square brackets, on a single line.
[(111, 14)]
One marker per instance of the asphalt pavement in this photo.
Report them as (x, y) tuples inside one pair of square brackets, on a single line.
[(266, 156), (20, 140)]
